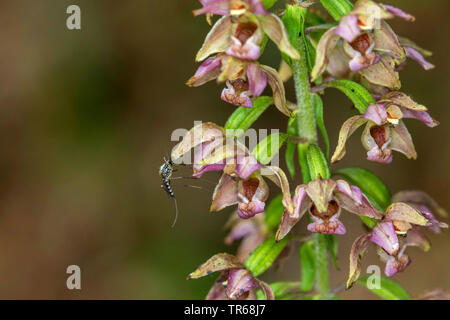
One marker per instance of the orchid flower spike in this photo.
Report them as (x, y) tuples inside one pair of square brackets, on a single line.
[(385, 130)]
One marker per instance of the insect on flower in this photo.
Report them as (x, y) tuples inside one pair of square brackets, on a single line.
[(165, 171)]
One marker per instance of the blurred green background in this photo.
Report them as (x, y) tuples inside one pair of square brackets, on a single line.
[(86, 118)]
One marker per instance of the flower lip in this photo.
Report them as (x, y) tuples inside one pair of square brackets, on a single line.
[(333, 208), (361, 44), (379, 133)]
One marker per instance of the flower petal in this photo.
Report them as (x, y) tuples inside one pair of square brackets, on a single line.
[(402, 141), (257, 79), (384, 235), (416, 238), (416, 56), (225, 193), (422, 116), (278, 176), (275, 30), (218, 262), (204, 132), (402, 100), (396, 264), (208, 70), (383, 73), (358, 250), (399, 13), (240, 281), (332, 226), (420, 198), (325, 47), (245, 51), (386, 41), (279, 94), (320, 191), (401, 211), (351, 199), (230, 95), (219, 7), (217, 291), (377, 113), (347, 130), (301, 203), (348, 28), (217, 40)]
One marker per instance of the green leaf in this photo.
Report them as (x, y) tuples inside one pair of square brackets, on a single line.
[(269, 3), (308, 266), (359, 95), (337, 8), (264, 255), (269, 147), (274, 212), (242, 118), (318, 108), (372, 186), (302, 159), (317, 163), (333, 246), (290, 157), (290, 146), (389, 289), (282, 290), (293, 23)]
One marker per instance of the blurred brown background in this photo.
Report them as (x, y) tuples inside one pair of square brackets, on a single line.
[(86, 117)]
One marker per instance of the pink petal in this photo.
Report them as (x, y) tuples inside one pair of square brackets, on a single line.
[(384, 235), (257, 79), (240, 281), (219, 7), (348, 28)]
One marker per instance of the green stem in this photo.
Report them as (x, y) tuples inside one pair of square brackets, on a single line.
[(308, 132), (322, 283), (305, 116)]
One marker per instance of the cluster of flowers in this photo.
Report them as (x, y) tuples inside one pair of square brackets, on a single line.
[(363, 48)]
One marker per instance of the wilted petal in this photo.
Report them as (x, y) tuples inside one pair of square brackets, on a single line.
[(402, 141), (400, 211), (358, 250), (275, 30), (402, 100), (204, 132), (225, 193), (325, 47), (301, 203), (218, 262), (384, 235), (267, 290), (218, 7), (399, 13), (278, 176), (278, 92), (383, 73), (217, 40), (416, 238), (386, 41), (240, 281), (208, 70), (338, 65), (422, 116), (257, 79), (420, 198), (351, 199), (232, 68), (347, 130), (348, 28), (320, 191), (376, 113)]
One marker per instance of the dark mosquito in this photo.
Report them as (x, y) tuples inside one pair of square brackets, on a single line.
[(165, 171)]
